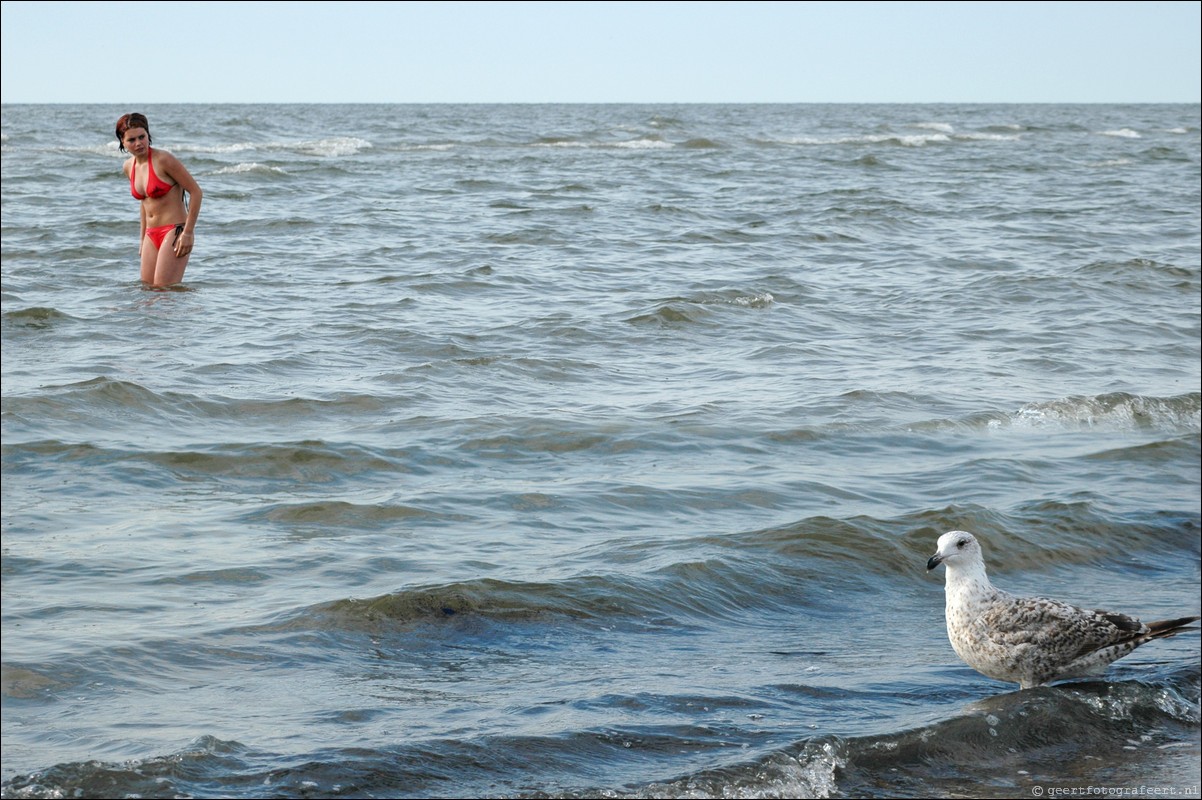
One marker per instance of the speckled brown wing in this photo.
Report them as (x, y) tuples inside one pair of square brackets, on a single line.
[(1041, 637)]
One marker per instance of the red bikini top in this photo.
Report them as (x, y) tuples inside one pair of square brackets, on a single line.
[(154, 187)]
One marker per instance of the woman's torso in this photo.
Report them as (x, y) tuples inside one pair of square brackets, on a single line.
[(148, 180)]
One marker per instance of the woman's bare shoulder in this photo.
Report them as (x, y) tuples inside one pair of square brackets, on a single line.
[(164, 157), (170, 165)]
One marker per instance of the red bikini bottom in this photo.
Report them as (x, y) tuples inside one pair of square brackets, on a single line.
[(157, 235)]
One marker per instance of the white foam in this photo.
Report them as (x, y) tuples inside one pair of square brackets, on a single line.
[(914, 140), (108, 149), (758, 300), (632, 144), (342, 146), (236, 147), (1109, 412), (251, 166), (987, 137), (1124, 133), (811, 773), (919, 141), (643, 144), (942, 127)]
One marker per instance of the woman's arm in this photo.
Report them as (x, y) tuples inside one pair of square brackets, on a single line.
[(179, 173), (126, 167)]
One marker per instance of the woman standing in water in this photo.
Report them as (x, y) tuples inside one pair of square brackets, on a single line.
[(159, 180)]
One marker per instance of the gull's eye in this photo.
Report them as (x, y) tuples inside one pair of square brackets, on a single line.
[(962, 543)]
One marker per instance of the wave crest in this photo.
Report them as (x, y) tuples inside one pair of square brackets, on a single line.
[(1181, 414)]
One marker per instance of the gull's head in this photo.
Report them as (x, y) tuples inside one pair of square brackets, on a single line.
[(956, 549)]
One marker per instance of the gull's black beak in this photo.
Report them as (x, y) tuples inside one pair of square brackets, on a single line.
[(933, 562)]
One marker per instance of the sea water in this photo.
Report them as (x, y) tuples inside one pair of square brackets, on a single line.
[(595, 451)]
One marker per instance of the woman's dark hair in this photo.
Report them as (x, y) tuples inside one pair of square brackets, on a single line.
[(131, 121)]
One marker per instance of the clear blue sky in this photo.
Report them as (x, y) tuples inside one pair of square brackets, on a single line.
[(655, 52)]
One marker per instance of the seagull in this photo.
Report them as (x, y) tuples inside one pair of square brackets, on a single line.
[(1031, 641)]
